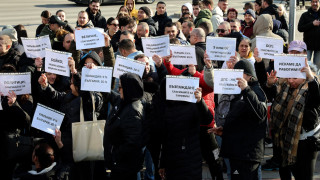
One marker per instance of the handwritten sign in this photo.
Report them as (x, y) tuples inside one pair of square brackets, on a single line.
[(124, 65), (47, 119), (35, 47), (269, 46), (89, 38), (156, 45), (225, 81), (220, 49), (181, 88), (183, 55), (99, 79), (57, 62), (290, 65), (20, 83)]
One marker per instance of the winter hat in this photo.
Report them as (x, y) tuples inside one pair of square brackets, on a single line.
[(56, 20), (298, 46), (251, 12), (93, 55), (146, 10), (246, 66), (11, 32)]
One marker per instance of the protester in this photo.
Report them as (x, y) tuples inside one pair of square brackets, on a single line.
[(172, 30), (83, 20), (249, 20), (187, 27), (13, 34), (258, 7), (248, 5), (196, 9), (232, 14), (269, 8), (7, 54), (45, 15), (309, 24), (130, 4), (125, 24), (284, 19), (51, 29), (203, 16), (217, 16), (144, 15), (161, 17), (142, 31), (62, 15)]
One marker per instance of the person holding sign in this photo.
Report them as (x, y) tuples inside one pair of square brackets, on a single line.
[(70, 106), (295, 110), (54, 25), (7, 54), (16, 119), (245, 126)]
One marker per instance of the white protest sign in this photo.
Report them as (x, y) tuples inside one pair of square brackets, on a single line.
[(20, 83), (0, 103), (267, 46), (225, 81), (124, 65), (220, 49), (156, 45), (47, 119), (181, 88), (98, 79), (183, 55), (290, 65), (57, 62), (35, 47), (89, 38)]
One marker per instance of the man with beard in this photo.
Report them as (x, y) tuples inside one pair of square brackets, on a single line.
[(95, 14)]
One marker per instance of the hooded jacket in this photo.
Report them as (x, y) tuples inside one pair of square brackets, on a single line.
[(123, 132), (97, 20), (311, 33), (263, 27), (217, 18), (152, 26), (162, 20), (134, 12), (272, 10), (204, 16), (189, 6)]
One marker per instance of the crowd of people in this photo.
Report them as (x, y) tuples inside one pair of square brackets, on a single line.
[(172, 139)]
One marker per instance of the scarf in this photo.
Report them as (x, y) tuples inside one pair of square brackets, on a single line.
[(287, 117)]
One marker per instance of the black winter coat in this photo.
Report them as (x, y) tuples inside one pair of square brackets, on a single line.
[(272, 10), (12, 57), (152, 26), (245, 127), (162, 21), (98, 20), (311, 33), (181, 153)]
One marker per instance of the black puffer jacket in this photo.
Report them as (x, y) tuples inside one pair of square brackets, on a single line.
[(12, 57), (97, 20), (272, 10), (123, 132), (181, 153), (152, 26), (245, 126), (162, 21), (311, 33)]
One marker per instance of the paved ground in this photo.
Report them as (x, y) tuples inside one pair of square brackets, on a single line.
[(27, 12)]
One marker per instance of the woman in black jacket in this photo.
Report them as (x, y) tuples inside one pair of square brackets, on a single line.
[(245, 127), (181, 154), (123, 131)]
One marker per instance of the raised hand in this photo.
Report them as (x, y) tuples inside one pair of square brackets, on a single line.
[(256, 55), (192, 69), (272, 78), (207, 60), (12, 97), (38, 62), (72, 65), (106, 39), (157, 60), (198, 94), (43, 81), (308, 71), (242, 83)]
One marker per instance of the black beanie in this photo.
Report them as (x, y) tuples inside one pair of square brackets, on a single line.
[(246, 66), (93, 55), (146, 10)]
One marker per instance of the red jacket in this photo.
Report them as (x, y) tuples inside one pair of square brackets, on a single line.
[(207, 91)]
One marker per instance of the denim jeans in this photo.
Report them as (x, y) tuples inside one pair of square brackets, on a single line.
[(316, 57)]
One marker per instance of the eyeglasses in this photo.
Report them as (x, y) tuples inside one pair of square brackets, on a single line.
[(115, 24), (220, 30)]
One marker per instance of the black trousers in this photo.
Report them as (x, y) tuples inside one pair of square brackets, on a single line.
[(244, 170), (303, 169), (208, 143)]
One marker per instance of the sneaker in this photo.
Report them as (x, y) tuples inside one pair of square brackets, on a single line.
[(270, 166)]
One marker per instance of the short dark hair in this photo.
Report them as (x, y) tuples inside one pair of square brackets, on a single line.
[(126, 44), (170, 24), (232, 10), (190, 24), (60, 10), (126, 33), (174, 41), (45, 157), (21, 32), (248, 5), (46, 14), (269, 2), (236, 21), (258, 2), (205, 26), (207, 2), (94, 1), (161, 2), (140, 56), (109, 21), (124, 21)]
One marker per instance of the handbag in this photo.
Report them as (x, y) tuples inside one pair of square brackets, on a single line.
[(87, 137), (17, 146)]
